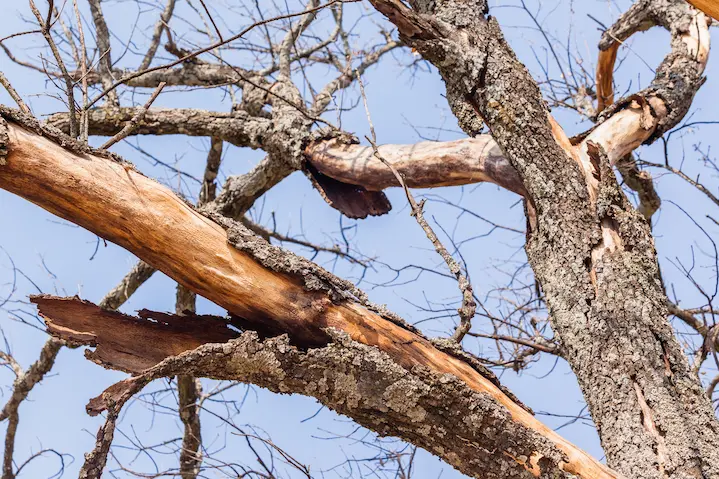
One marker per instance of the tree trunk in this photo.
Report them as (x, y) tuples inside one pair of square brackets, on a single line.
[(591, 252)]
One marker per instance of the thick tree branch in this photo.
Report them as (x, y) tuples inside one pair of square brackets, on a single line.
[(423, 165), (435, 411), (237, 127), (264, 286)]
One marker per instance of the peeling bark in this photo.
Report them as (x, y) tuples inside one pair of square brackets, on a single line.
[(593, 255), (110, 198)]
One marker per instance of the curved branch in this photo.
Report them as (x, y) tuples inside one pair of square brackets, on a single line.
[(423, 165)]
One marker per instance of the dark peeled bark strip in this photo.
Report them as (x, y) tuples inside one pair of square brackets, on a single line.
[(128, 343), (593, 256), (263, 285), (435, 411)]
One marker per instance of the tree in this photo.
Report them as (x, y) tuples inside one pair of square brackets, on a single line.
[(294, 327)]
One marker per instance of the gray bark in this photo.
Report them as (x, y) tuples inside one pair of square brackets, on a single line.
[(608, 309)]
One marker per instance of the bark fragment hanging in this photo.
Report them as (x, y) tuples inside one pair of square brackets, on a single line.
[(353, 201), (125, 342)]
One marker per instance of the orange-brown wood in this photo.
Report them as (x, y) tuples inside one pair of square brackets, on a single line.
[(119, 204), (605, 76), (710, 7)]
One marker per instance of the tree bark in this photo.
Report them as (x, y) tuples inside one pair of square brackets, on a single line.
[(266, 287), (592, 253), (432, 410)]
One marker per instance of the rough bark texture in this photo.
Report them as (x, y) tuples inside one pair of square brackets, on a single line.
[(435, 411), (237, 127), (188, 393), (593, 255), (252, 280)]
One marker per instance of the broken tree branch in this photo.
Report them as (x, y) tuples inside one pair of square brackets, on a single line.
[(265, 286), (347, 376)]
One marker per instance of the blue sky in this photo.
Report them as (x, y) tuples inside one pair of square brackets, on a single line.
[(62, 259)]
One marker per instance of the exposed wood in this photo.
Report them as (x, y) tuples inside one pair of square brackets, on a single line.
[(423, 165), (710, 7), (412, 402), (605, 76), (119, 204)]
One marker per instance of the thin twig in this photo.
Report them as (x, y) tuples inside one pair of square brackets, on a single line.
[(469, 307), (84, 117), (45, 28), (14, 94), (215, 45), (162, 23), (134, 123)]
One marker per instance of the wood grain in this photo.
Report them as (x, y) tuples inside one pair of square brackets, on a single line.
[(710, 7), (121, 205)]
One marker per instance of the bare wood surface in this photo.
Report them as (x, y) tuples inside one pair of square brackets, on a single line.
[(710, 7), (423, 165), (116, 202)]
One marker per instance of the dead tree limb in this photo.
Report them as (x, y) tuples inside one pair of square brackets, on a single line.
[(434, 410), (267, 288)]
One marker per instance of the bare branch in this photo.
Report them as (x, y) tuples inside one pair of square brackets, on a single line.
[(139, 273), (160, 26), (13, 93), (102, 35), (131, 125), (23, 384), (237, 127), (45, 28), (469, 307)]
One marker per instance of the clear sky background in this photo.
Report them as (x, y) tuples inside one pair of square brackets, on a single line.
[(63, 259)]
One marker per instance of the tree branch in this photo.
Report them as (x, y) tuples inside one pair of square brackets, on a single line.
[(237, 127), (265, 286), (477, 436)]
